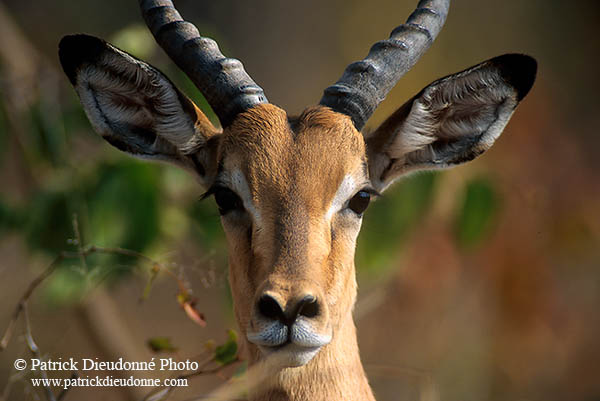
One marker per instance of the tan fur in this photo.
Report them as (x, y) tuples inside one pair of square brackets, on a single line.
[(293, 237), (295, 250)]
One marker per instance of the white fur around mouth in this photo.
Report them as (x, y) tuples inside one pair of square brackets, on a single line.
[(270, 335), (289, 355), (297, 344), (300, 333)]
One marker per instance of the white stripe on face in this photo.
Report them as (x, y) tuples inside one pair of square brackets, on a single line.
[(238, 183), (240, 186), (344, 192)]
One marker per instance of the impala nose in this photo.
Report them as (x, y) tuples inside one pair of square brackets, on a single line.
[(270, 308)]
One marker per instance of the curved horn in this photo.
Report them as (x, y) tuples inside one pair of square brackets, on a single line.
[(223, 82), (366, 83)]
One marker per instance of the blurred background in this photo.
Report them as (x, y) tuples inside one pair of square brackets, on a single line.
[(478, 283)]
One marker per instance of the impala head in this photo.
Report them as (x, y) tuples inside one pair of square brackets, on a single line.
[(292, 190)]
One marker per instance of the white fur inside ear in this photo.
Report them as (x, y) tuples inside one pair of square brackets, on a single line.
[(475, 104), (119, 91)]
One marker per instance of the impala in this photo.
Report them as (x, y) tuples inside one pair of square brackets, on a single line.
[(292, 191)]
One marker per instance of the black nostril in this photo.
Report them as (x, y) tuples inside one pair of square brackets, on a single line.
[(308, 307), (270, 308)]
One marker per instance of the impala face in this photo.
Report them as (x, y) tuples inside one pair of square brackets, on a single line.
[(291, 200), (291, 191)]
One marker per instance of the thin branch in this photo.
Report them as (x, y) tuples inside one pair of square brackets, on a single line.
[(184, 297), (256, 377), (79, 242), (19, 375), (162, 393), (36, 352), (83, 253), (214, 370), (63, 393), (25, 297)]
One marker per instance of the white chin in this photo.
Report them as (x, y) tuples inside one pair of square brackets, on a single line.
[(289, 356)]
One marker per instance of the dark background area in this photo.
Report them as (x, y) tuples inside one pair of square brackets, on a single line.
[(477, 283)]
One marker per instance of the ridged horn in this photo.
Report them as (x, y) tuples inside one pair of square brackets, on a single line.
[(366, 83), (223, 81)]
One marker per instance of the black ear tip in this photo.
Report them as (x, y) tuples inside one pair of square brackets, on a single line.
[(518, 70), (74, 50)]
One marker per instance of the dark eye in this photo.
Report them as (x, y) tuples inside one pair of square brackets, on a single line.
[(359, 202), (227, 200)]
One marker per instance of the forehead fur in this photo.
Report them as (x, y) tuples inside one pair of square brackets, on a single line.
[(292, 157)]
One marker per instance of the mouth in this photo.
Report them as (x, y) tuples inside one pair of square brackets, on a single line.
[(289, 355), (294, 345)]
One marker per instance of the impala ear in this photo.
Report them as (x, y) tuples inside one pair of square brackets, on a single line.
[(135, 108), (451, 121)]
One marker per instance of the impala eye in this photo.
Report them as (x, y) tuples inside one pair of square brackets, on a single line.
[(227, 200), (359, 202)]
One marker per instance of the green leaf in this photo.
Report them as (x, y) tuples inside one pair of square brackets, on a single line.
[(227, 353), (477, 213), (161, 344)]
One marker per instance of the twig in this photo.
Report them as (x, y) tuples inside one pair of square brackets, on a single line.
[(256, 377), (79, 242), (62, 394), (25, 297), (83, 253), (36, 352), (214, 370), (12, 379), (184, 298), (162, 393)]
